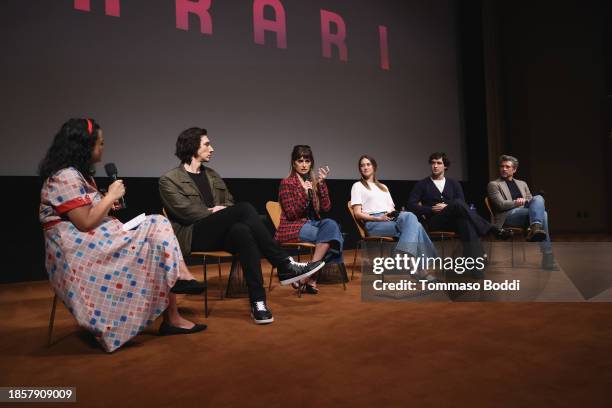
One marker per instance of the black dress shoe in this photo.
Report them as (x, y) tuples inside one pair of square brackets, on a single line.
[(502, 234), (188, 287), (167, 330)]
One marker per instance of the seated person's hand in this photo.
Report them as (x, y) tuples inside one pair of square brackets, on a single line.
[(519, 202), (323, 173), (439, 207), (384, 217), (116, 190), (217, 208)]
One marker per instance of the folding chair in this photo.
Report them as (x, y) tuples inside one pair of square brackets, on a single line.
[(364, 237)]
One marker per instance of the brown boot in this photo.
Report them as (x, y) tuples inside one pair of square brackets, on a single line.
[(536, 233), (548, 262)]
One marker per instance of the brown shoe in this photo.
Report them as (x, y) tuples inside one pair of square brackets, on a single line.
[(548, 262), (536, 233)]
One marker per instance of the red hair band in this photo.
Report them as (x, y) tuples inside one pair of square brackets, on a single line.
[(89, 126)]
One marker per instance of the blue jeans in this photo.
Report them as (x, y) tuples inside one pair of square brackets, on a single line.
[(411, 235), (535, 213), (324, 230)]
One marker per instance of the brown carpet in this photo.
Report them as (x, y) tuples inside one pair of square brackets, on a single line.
[(325, 350)]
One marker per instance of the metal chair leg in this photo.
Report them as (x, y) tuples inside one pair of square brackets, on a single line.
[(220, 284), (443, 247), (51, 321), (344, 274), (355, 258), (512, 250), (271, 275), (205, 287), (380, 244)]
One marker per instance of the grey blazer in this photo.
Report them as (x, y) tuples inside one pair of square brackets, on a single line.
[(501, 199)]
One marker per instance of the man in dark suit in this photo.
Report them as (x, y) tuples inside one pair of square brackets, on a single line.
[(441, 203)]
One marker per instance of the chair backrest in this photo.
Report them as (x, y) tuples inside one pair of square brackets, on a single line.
[(488, 205), (274, 211), (164, 212), (357, 223)]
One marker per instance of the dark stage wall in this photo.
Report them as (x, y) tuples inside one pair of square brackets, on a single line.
[(554, 114), (23, 241)]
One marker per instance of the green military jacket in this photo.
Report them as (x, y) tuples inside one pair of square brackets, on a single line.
[(184, 204)]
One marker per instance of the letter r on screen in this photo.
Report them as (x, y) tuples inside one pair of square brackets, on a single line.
[(338, 38), (198, 7)]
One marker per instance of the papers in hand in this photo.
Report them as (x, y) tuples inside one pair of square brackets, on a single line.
[(134, 222)]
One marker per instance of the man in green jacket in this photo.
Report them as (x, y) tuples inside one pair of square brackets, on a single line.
[(205, 218)]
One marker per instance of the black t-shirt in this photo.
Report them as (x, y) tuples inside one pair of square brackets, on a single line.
[(514, 190), (204, 186)]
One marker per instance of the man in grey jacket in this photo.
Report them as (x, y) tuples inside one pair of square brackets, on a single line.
[(514, 206), (205, 218)]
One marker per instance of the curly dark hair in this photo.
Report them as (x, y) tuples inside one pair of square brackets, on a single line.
[(438, 156), (188, 143), (72, 146)]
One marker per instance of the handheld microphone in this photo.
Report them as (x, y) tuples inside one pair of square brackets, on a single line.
[(306, 177), (111, 171)]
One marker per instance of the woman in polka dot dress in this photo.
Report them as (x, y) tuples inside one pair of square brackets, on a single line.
[(114, 282)]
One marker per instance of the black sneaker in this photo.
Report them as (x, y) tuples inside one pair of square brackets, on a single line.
[(294, 271), (260, 313), (502, 234)]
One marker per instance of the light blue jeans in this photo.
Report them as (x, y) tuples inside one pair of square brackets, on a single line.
[(411, 235), (325, 230), (535, 213)]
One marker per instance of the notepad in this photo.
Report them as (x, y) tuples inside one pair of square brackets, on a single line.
[(134, 222)]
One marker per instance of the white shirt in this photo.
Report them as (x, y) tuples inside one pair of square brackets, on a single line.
[(372, 201), (440, 183)]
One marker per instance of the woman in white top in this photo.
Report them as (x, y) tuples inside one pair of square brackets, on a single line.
[(374, 207)]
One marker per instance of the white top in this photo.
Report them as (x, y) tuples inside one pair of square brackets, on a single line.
[(440, 183), (372, 201)]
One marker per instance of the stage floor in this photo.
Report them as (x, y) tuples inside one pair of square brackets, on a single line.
[(331, 349)]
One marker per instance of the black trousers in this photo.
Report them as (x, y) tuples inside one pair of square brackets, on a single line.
[(470, 226), (239, 229)]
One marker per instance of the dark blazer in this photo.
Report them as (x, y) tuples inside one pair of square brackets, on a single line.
[(185, 206), (426, 192)]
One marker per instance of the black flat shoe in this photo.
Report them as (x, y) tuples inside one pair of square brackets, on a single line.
[(188, 287), (167, 330), (311, 290)]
